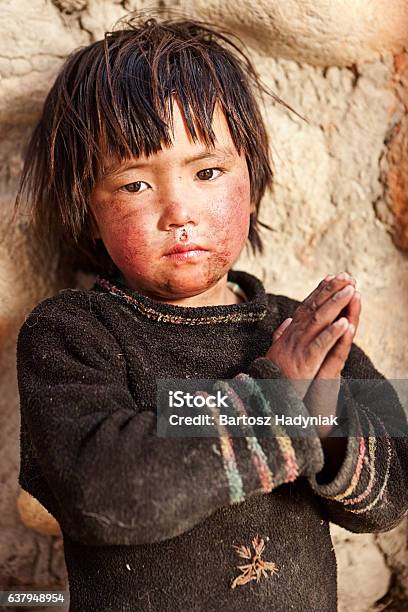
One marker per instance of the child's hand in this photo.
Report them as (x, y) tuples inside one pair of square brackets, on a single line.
[(300, 344), (321, 399)]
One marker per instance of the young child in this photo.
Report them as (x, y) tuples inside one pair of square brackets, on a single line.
[(149, 161)]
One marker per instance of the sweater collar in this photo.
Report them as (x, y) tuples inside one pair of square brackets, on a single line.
[(254, 309)]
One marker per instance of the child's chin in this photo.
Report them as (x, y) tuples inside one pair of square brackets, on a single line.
[(188, 288), (183, 284)]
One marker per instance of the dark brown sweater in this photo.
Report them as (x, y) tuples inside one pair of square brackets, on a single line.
[(158, 524)]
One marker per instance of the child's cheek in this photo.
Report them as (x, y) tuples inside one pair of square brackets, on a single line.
[(135, 244), (125, 234), (230, 218)]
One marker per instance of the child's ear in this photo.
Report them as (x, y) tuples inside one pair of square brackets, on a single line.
[(252, 210)]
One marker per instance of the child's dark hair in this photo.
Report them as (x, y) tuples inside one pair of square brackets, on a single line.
[(112, 97)]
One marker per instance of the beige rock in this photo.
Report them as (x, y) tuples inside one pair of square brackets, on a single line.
[(319, 32), (35, 516), (394, 546), (100, 15), (33, 42), (363, 576)]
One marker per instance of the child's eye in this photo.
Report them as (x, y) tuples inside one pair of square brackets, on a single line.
[(205, 174), (132, 187)]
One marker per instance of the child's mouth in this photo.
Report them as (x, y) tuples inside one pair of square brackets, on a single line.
[(191, 255)]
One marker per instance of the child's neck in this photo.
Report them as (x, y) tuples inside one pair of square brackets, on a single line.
[(218, 295)]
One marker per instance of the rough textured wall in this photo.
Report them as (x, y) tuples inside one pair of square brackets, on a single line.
[(339, 203), (318, 32)]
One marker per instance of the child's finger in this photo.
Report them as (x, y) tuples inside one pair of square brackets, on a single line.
[(337, 356), (279, 331), (354, 310)]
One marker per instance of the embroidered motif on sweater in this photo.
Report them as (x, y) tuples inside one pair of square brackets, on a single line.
[(257, 567)]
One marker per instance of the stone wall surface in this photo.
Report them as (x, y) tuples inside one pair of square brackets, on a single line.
[(340, 203), (319, 32)]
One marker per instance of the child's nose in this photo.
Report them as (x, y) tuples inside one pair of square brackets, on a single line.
[(178, 213)]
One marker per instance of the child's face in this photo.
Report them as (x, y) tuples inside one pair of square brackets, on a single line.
[(139, 212)]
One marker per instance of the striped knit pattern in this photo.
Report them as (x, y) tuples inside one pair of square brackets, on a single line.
[(365, 470), (370, 462), (284, 441), (236, 489), (356, 476), (258, 456), (381, 442)]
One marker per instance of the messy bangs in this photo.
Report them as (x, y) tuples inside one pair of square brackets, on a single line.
[(113, 100)]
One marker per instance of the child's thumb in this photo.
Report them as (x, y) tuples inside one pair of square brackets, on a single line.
[(279, 331)]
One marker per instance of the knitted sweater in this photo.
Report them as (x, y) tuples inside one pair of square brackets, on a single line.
[(161, 524)]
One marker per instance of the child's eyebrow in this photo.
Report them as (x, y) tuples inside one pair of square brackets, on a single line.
[(220, 154)]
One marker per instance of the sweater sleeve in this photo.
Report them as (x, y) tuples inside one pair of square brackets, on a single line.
[(370, 491), (112, 479)]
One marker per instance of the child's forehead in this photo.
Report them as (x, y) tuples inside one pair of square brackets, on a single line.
[(181, 147)]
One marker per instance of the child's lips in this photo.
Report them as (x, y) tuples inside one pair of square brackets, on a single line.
[(185, 247), (186, 252), (189, 255)]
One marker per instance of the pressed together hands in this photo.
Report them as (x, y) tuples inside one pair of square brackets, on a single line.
[(314, 344)]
